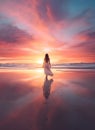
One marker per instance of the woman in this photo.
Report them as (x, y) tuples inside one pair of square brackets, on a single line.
[(47, 66)]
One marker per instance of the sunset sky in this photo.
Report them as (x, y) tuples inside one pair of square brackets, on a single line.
[(63, 28)]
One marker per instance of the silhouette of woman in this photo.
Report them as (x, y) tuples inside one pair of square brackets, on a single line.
[(47, 87), (47, 66)]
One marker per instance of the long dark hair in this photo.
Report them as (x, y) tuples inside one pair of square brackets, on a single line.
[(47, 59)]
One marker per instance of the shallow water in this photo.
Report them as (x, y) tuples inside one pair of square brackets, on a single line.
[(65, 101)]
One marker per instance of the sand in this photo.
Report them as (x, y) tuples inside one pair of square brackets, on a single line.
[(29, 101)]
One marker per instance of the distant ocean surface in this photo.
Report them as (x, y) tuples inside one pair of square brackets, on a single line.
[(54, 66)]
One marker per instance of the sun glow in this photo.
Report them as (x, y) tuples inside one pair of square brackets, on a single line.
[(47, 50), (40, 61), (40, 71)]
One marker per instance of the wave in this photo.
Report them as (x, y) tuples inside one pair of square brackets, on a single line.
[(54, 66)]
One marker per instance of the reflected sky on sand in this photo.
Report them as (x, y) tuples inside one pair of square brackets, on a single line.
[(29, 101)]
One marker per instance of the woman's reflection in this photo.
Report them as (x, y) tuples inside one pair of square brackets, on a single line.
[(47, 87)]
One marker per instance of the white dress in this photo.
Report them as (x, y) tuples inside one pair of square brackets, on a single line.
[(47, 70)]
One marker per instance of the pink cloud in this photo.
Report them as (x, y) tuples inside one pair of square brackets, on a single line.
[(37, 26)]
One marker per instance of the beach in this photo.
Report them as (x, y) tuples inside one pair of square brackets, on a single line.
[(29, 101)]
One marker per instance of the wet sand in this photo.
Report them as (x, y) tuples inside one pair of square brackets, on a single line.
[(65, 101)]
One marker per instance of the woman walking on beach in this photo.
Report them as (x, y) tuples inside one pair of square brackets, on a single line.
[(47, 66)]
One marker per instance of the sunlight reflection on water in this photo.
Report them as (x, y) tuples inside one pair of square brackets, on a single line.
[(66, 98)]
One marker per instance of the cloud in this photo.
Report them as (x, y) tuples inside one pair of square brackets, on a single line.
[(12, 35), (59, 9), (86, 43), (91, 36), (61, 27)]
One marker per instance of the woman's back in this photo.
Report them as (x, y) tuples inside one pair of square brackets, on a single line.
[(47, 65)]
